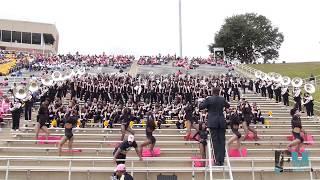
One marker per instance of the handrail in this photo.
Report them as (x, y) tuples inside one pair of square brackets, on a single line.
[(228, 163), (210, 156), (7, 171)]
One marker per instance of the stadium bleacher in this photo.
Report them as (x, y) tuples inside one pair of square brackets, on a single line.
[(21, 158)]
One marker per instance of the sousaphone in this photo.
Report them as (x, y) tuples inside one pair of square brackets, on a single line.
[(296, 82), (47, 81), (258, 74), (56, 76), (33, 86), (277, 77), (286, 81), (20, 92), (309, 88)]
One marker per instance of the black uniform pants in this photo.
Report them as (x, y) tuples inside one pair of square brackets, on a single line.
[(15, 120), (27, 111), (218, 137)]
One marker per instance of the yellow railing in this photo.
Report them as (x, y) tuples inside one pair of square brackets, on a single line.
[(5, 68)]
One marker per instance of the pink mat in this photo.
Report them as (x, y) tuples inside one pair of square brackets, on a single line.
[(295, 150), (43, 139), (196, 161), (238, 153), (307, 138), (147, 153)]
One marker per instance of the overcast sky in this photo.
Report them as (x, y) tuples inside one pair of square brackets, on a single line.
[(151, 26)]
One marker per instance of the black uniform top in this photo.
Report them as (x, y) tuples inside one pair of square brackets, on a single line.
[(296, 122), (43, 114)]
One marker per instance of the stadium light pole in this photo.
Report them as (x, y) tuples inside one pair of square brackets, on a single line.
[(180, 30)]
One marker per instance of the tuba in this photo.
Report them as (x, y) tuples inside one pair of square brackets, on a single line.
[(296, 82), (33, 86), (285, 81), (20, 92), (56, 76), (309, 88), (47, 81), (258, 74), (277, 77)]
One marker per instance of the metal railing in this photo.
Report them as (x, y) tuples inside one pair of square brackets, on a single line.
[(252, 168)]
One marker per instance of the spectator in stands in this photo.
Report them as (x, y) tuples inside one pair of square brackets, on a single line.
[(120, 152), (216, 122), (121, 174)]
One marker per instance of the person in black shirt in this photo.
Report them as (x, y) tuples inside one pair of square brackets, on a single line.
[(296, 130), (203, 136), (121, 174), (151, 140), (234, 124), (71, 120), (42, 119), (125, 121), (189, 119), (120, 152)]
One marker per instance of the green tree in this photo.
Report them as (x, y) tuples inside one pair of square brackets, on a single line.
[(248, 37)]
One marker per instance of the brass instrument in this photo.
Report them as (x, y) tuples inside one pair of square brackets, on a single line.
[(20, 92), (309, 88)]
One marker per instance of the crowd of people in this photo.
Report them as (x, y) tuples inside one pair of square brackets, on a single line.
[(153, 101), (150, 102)]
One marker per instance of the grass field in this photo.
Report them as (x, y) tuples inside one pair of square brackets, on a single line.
[(303, 70)]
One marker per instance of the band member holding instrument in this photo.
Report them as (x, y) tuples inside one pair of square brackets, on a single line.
[(285, 95), (43, 118), (15, 109), (308, 103), (277, 92), (28, 103), (297, 97)]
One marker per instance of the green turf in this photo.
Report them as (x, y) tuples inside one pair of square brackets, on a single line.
[(302, 70)]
